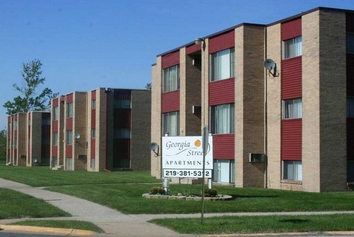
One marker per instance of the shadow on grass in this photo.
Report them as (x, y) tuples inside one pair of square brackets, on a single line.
[(295, 221)]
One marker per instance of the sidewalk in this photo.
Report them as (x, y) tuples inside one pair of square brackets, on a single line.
[(115, 223)]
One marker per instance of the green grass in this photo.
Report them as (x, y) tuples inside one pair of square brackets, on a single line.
[(14, 204), (69, 224), (127, 199), (43, 176), (259, 224)]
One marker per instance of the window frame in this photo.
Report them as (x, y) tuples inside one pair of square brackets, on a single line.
[(291, 49), (55, 113), (166, 126), (214, 121), (93, 104), (69, 110), (55, 139), (69, 137), (215, 64), (167, 81), (296, 173), (286, 115)]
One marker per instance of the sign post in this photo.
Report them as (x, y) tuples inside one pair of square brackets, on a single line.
[(205, 148)]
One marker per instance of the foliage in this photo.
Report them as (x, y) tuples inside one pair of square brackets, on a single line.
[(148, 86), (157, 190), (29, 99), (2, 144), (212, 192)]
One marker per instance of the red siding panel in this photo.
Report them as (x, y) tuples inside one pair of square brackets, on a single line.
[(170, 59), (170, 101), (350, 74), (55, 126), (221, 42), (69, 124), (70, 98), (93, 148), (193, 48), (54, 151), (93, 118), (55, 102), (93, 94), (69, 151), (222, 92), (291, 29), (350, 138), (350, 22), (224, 146), (291, 78), (291, 139)]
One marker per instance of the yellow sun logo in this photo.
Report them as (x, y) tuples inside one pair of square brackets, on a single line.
[(197, 143)]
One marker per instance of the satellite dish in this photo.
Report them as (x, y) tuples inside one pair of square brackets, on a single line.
[(154, 147), (271, 66), (77, 136)]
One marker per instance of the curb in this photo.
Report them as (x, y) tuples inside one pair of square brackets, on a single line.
[(36, 229), (329, 233)]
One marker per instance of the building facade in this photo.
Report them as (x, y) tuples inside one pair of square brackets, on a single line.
[(28, 139), (102, 129), (298, 116)]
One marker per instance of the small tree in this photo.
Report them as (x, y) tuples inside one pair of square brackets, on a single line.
[(148, 86), (30, 100)]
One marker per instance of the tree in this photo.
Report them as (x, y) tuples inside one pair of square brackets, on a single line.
[(30, 100), (3, 144), (148, 86)]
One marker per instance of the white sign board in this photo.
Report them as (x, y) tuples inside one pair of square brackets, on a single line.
[(186, 153)]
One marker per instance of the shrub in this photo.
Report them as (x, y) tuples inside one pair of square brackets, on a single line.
[(212, 192), (157, 190)]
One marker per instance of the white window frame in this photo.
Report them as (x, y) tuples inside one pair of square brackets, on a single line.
[(170, 78), (55, 139), (350, 107), (292, 47), (55, 113), (69, 137), (350, 43), (222, 119), (69, 110), (292, 108), (222, 64), (217, 173), (296, 172), (167, 119)]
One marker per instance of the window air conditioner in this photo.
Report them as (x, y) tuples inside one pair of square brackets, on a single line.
[(256, 157)]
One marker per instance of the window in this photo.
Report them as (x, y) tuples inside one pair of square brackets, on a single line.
[(93, 133), (122, 133), (292, 108), (55, 113), (171, 78), (224, 171), (222, 64), (350, 107), (15, 144), (46, 121), (292, 47), (93, 104), (292, 170), (68, 163), (93, 163), (55, 139), (69, 137), (122, 103), (170, 123), (69, 110), (350, 42), (222, 119)]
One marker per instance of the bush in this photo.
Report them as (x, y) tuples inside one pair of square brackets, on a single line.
[(157, 190), (212, 192)]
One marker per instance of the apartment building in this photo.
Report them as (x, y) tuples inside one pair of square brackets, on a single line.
[(101, 130), (28, 139), (296, 120)]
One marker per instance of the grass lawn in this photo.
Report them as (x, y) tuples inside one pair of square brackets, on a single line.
[(79, 225), (14, 204), (127, 199), (43, 176), (259, 224)]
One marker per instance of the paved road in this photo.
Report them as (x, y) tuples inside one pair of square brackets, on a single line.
[(114, 223)]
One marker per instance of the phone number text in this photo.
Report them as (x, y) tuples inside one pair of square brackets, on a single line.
[(187, 173)]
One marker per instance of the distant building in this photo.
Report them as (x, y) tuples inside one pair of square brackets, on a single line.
[(307, 136), (28, 139), (103, 129)]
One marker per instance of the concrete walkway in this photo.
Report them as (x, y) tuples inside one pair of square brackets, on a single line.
[(115, 223)]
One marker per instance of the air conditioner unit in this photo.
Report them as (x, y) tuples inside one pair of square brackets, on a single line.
[(256, 157), (196, 109), (81, 157)]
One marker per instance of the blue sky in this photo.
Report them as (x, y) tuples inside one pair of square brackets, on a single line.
[(86, 44)]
